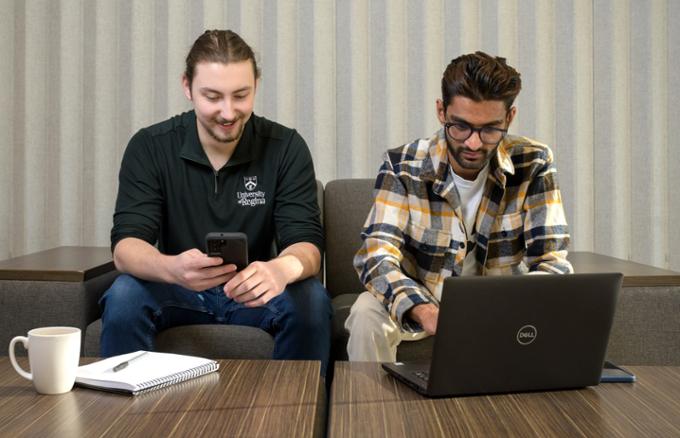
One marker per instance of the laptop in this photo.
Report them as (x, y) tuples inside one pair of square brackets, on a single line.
[(517, 333)]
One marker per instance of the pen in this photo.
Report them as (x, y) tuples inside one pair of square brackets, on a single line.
[(125, 363)]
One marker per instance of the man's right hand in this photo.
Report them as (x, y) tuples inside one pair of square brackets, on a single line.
[(194, 270), (426, 315), (191, 269)]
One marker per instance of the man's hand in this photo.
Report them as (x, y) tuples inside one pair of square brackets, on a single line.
[(260, 281), (426, 315), (196, 271), (191, 269)]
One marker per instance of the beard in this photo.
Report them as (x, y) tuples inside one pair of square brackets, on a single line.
[(221, 137), (458, 154)]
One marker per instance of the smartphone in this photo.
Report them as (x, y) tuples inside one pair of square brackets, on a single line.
[(615, 374), (232, 247)]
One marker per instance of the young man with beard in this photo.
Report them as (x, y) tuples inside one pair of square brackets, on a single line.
[(218, 168), (470, 200)]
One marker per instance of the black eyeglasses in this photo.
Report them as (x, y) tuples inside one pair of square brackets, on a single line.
[(461, 131)]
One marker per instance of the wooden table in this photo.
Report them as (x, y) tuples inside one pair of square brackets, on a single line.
[(366, 402), (245, 398)]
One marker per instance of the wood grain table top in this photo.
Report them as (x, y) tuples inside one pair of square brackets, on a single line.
[(64, 263), (244, 398), (366, 402)]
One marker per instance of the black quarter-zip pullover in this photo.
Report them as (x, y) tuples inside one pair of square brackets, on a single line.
[(169, 193)]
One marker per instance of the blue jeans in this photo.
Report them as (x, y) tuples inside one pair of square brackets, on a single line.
[(135, 310)]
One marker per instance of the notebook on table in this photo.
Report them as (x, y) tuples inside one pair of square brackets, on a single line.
[(142, 371), (517, 333)]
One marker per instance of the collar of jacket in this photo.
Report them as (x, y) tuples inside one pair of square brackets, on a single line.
[(245, 151), (436, 166)]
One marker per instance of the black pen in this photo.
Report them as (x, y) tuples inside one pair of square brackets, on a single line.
[(124, 364)]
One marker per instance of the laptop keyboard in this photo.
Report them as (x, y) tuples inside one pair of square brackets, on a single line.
[(422, 375)]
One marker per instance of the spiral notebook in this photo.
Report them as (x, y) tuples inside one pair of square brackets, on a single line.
[(142, 371)]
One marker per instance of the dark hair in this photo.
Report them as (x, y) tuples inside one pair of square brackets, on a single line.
[(222, 46), (479, 77)]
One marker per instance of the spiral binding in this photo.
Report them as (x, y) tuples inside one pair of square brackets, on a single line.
[(162, 382)]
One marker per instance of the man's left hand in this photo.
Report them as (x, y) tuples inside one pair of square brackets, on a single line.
[(258, 283)]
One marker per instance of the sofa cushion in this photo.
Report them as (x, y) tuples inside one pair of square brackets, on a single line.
[(217, 341), (209, 340), (346, 206), (414, 351)]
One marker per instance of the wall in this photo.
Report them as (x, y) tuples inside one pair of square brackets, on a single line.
[(354, 77)]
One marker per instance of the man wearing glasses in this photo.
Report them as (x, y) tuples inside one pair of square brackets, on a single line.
[(470, 200)]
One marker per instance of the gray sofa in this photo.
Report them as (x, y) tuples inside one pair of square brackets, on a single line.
[(646, 328), (345, 205)]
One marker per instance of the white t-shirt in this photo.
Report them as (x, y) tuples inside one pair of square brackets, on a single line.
[(470, 193)]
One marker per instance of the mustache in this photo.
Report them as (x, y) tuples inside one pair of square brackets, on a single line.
[(223, 121), (465, 149)]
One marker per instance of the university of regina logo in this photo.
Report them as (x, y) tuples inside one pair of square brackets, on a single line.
[(527, 334), (250, 182), (251, 197)]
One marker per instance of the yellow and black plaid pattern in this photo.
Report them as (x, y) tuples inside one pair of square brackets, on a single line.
[(414, 235)]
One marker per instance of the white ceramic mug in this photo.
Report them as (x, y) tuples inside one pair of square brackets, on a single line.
[(53, 355)]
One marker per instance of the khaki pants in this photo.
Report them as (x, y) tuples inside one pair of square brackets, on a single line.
[(373, 335)]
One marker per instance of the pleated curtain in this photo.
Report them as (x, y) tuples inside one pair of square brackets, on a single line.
[(355, 77)]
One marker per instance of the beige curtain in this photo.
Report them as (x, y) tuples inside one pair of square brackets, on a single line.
[(354, 77)]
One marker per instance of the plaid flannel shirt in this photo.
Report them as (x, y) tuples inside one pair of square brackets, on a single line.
[(414, 233)]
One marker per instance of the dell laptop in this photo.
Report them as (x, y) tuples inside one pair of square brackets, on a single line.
[(517, 333)]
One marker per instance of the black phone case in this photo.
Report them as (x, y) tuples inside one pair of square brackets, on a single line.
[(232, 247)]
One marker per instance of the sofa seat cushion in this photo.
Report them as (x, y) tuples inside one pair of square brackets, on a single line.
[(215, 341)]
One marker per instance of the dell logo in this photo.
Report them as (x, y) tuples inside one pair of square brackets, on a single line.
[(527, 334)]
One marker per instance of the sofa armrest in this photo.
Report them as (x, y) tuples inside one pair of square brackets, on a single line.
[(60, 286)]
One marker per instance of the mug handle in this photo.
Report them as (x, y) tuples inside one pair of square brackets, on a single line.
[(22, 373)]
